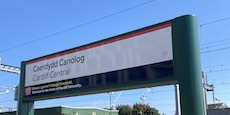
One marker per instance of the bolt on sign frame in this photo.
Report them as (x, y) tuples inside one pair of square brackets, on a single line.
[(161, 54)]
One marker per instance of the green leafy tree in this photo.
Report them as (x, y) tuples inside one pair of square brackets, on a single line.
[(124, 110), (137, 109)]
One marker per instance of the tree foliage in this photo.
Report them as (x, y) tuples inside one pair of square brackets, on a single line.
[(137, 109), (124, 110)]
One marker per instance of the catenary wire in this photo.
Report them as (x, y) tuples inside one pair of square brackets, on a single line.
[(209, 51), (75, 27), (215, 21), (214, 42), (215, 45), (96, 20)]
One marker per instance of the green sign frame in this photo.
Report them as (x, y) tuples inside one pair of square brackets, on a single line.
[(185, 64)]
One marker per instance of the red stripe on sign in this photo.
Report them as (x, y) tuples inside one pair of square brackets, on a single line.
[(101, 43)]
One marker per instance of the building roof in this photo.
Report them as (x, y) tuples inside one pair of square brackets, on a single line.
[(217, 106), (63, 110)]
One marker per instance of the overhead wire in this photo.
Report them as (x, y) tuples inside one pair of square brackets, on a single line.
[(215, 45), (222, 84), (212, 22), (215, 21), (215, 42), (218, 65), (113, 14), (78, 26), (102, 18), (213, 71), (93, 98), (220, 78), (203, 52), (96, 20), (104, 103)]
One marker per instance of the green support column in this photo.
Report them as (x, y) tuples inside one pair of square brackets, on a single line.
[(187, 69), (23, 108)]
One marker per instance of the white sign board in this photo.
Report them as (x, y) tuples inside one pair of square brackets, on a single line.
[(140, 48)]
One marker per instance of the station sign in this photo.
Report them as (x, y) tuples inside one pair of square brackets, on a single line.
[(162, 54), (141, 55)]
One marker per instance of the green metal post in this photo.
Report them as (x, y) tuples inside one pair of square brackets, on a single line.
[(187, 68), (23, 108)]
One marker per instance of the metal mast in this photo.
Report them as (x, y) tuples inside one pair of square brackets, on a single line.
[(9, 68)]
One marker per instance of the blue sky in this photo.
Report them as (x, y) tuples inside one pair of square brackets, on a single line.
[(31, 22)]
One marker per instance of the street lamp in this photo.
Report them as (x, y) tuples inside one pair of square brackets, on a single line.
[(110, 104)]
